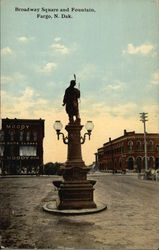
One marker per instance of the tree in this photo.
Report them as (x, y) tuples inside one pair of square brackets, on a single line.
[(51, 168)]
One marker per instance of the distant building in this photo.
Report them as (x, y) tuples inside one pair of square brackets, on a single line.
[(127, 152), (21, 146)]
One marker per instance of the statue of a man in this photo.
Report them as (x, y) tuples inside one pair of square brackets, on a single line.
[(71, 101)]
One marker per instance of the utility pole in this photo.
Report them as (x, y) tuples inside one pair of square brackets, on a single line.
[(0, 108), (143, 118)]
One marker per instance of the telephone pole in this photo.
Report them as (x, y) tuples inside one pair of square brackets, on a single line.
[(143, 118), (0, 108)]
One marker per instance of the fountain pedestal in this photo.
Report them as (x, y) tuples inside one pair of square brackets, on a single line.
[(75, 192)]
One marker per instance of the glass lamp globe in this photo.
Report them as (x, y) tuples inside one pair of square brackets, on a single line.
[(89, 126), (57, 125)]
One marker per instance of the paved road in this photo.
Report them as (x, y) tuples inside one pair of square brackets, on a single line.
[(130, 222)]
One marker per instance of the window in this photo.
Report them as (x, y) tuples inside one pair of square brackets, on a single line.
[(157, 147), (34, 136), (1, 150), (130, 145), (144, 162), (11, 150), (157, 163), (27, 151), (1, 135), (120, 163), (115, 164), (130, 163), (28, 136), (151, 161), (139, 163), (139, 147), (151, 145), (21, 136), (12, 135)]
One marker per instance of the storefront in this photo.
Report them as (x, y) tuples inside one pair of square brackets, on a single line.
[(21, 146)]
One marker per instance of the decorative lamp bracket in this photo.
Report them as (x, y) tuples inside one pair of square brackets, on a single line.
[(64, 138), (83, 139)]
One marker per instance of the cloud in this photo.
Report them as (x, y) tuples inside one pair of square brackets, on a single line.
[(88, 71), (6, 79), (24, 105), (6, 51), (24, 39), (57, 39), (99, 108), (114, 87), (124, 110), (17, 77), (143, 49), (60, 48), (155, 80), (47, 68)]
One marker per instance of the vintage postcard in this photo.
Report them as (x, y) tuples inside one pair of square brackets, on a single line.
[(79, 124)]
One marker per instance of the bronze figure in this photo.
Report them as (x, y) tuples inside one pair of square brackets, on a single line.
[(71, 101)]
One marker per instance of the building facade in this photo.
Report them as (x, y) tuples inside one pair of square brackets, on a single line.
[(21, 146), (127, 152)]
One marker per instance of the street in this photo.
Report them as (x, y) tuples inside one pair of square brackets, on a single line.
[(130, 222)]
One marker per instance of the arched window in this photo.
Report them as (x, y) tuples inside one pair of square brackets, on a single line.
[(139, 163), (130, 163), (139, 146), (130, 145), (150, 145), (151, 161)]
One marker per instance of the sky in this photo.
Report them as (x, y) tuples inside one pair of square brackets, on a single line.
[(113, 50)]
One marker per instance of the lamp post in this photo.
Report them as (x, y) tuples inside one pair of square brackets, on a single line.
[(75, 192), (143, 118)]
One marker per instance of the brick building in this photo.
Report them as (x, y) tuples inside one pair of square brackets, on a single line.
[(127, 152), (21, 146)]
